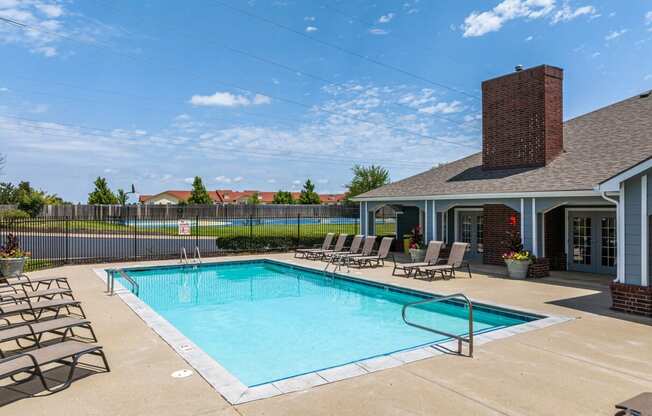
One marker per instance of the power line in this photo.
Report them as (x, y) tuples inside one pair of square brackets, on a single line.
[(344, 50), (94, 130), (298, 103)]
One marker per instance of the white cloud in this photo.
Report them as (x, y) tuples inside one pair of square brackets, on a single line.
[(378, 32), (566, 13), (189, 180), (311, 29), (223, 179), (226, 99), (50, 10), (110, 170), (595, 54), (443, 108), (615, 34), (479, 23), (647, 77), (271, 180), (309, 18), (386, 18), (529, 38), (648, 18), (238, 179), (4, 89)]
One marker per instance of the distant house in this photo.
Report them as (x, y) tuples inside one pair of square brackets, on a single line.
[(578, 192), (228, 196)]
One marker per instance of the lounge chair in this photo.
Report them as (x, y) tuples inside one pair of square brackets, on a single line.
[(367, 249), (33, 361), (339, 245), (455, 261), (35, 283), (35, 310), (356, 244), (34, 332), (13, 293), (431, 258), (304, 252), (374, 260)]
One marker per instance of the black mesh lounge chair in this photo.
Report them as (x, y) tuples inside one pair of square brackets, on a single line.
[(32, 362), (33, 311), (35, 283), (339, 245), (356, 244), (304, 252), (455, 261), (19, 292), (367, 249), (431, 258), (374, 260), (34, 332)]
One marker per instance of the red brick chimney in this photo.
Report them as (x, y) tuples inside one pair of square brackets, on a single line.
[(522, 118)]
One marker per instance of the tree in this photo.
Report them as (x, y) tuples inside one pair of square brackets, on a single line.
[(308, 195), (29, 199), (102, 194), (283, 197), (7, 193), (254, 199), (199, 195), (366, 178), (122, 196)]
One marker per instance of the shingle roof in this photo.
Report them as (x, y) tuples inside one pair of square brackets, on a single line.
[(597, 146)]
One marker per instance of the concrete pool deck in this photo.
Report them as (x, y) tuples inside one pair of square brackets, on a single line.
[(582, 366)]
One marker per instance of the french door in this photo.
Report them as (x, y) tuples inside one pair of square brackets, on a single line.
[(592, 241), (470, 230)]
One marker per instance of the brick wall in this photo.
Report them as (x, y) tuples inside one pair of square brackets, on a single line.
[(631, 298), (554, 239), (522, 118), (540, 268), (496, 228)]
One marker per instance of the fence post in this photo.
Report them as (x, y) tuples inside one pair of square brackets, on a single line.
[(67, 239), (135, 237), (251, 231), (197, 231), (298, 230)]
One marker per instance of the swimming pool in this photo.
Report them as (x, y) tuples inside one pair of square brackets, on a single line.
[(265, 321)]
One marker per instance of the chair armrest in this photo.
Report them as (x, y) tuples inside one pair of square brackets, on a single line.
[(21, 355)]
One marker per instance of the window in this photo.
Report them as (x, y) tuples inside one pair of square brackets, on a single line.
[(582, 240), (608, 240), (467, 230), (479, 225)]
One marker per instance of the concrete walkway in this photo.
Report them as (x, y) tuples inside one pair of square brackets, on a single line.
[(580, 367)]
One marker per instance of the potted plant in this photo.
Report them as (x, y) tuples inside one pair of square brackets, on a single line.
[(517, 260), (417, 249), (12, 258)]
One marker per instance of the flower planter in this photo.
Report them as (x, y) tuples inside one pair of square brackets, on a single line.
[(12, 266), (517, 269), (418, 254)]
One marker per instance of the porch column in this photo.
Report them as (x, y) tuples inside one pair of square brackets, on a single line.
[(528, 224), (644, 233), (434, 219), (535, 242), (620, 231)]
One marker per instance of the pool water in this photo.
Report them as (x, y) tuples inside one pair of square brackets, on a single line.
[(264, 321)]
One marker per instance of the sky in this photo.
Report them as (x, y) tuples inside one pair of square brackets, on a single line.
[(265, 94)]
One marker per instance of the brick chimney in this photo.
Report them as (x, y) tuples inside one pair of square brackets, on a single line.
[(522, 118)]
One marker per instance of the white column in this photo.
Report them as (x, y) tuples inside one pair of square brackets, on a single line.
[(644, 233), (535, 243), (434, 219), (522, 220), (621, 235), (366, 219), (426, 237)]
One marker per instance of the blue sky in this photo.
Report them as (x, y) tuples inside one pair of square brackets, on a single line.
[(264, 94)]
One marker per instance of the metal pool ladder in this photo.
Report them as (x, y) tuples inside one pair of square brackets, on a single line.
[(196, 256), (460, 338), (110, 282)]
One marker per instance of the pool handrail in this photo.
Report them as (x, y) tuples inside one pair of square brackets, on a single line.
[(468, 339), (135, 288)]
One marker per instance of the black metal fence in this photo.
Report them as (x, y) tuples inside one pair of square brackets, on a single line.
[(69, 240)]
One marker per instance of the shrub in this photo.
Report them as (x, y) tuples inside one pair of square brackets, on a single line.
[(13, 214), (245, 243)]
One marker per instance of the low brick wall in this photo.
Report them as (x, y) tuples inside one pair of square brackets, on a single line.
[(631, 298), (497, 226), (540, 268)]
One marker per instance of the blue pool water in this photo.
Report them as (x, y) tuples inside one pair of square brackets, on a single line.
[(264, 321)]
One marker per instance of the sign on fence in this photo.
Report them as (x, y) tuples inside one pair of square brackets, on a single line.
[(184, 227)]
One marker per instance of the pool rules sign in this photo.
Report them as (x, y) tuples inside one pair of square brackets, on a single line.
[(184, 227)]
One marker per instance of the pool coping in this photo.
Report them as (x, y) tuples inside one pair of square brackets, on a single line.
[(235, 392)]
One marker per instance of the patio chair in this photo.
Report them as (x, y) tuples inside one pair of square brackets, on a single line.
[(35, 310), (304, 252), (354, 248), (374, 260), (18, 292), (367, 249), (34, 332), (32, 362), (455, 261), (339, 245), (431, 258), (35, 283)]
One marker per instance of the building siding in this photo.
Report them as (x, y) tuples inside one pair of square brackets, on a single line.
[(633, 231)]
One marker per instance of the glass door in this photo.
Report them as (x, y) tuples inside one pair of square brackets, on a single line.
[(471, 230), (592, 241)]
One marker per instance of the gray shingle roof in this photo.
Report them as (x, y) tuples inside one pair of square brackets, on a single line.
[(597, 146)]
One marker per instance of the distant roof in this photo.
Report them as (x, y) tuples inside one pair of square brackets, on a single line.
[(231, 196), (597, 146)]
